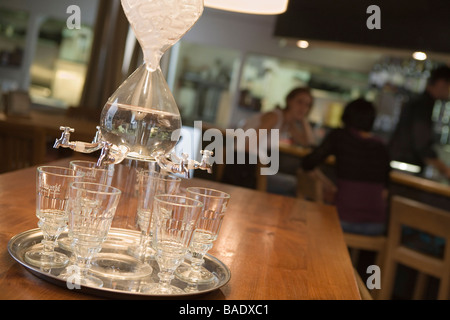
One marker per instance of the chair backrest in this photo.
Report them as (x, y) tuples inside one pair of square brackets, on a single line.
[(309, 186), (362, 288), (21, 146), (422, 217)]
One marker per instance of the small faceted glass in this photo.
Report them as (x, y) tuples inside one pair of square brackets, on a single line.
[(207, 229), (91, 209), (150, 183), (92, 173), (175, 218), (52, 194)]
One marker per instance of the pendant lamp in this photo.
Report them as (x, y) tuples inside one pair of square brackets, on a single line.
[(265, 7)]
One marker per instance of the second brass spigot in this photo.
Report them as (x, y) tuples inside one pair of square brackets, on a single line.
[(182, 164), (98, 135), (205, 163)]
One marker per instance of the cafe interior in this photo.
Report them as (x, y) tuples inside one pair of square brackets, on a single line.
[(61, 61)]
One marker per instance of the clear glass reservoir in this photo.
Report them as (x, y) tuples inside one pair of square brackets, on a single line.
[(142, 116)]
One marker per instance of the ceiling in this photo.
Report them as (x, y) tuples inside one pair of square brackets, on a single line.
[(326, 51), (406, 25)]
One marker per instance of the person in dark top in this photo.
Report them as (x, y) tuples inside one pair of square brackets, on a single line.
[(362, 170), (413, 138)]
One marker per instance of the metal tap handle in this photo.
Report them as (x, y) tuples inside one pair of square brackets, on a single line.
[(110, 155), (205, 164), (64, 141), (98, 135), (66, 129), (183, 164), (105, 157), (207, 153), (184, 158)]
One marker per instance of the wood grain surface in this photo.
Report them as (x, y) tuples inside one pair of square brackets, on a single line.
[(277, 248)]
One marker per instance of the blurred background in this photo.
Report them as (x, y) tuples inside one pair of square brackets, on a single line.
[(231, 65)]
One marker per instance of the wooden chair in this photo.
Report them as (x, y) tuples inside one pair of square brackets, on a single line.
[(362, 288), (21, 146), (309, 186), (416, 215), (358, 242)]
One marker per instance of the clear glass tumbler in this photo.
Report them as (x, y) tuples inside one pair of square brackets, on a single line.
[(207, 229), (151, 183), (91, 210), (91, 173), (52, 186), (175, 218)]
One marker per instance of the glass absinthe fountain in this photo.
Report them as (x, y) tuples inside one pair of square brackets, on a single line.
[(141, 120)]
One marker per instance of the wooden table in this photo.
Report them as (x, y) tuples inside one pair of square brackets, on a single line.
[(277, 248)]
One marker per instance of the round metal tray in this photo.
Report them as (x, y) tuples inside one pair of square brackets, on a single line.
[(116, 245)]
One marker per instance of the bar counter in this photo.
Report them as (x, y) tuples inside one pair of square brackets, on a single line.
[(432, 191), (441, 188), (277, 248)]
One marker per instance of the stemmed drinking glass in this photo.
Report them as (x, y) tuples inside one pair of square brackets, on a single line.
[(91, 173), (206, 231), (175, 217), (150, 183), (91, 209), (52, 186)]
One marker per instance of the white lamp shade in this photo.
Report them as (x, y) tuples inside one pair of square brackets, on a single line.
[(249, 6)]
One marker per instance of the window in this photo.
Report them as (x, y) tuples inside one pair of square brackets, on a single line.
[(60, 64), (13, 32)]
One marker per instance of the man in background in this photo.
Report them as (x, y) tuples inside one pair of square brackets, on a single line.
[(413, 140)]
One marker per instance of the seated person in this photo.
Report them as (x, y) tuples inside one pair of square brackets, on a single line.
[(294, 128), (362, 170), (292, 121)]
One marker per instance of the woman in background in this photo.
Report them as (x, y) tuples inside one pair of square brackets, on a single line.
[(294, 128), (362, 170), (292, 121)]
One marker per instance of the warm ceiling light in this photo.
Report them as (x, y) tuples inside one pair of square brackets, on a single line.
[(419, 55), (303, 44), (249, 6)]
